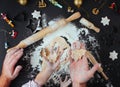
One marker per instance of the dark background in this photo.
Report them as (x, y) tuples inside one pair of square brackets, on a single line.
[(108, 38)]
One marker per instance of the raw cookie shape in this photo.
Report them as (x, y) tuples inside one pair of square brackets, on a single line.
[(55, 43), (113, 55), (105, 21), (77, 54)]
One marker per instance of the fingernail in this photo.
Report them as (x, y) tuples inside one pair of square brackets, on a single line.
[(19, 67), (99, 65)]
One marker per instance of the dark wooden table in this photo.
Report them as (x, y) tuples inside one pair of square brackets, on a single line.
[(108, 38)]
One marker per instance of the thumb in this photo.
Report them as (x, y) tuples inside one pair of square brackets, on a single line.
[(60, 79), (93, 70), (16, 71)]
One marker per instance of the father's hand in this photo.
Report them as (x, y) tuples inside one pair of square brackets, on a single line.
[(9, 71)]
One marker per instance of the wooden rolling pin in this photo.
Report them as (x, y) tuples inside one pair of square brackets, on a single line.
[(94, 61), (39, 35)]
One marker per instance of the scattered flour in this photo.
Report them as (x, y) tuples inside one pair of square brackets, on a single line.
[(71, 33)]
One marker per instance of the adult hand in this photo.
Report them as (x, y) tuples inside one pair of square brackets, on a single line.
[(9, 71), (79, 70)]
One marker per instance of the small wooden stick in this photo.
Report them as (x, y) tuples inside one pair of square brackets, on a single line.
[(94, 61)]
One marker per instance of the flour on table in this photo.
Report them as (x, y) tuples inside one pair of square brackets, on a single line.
[(68, 31), (71, 33)]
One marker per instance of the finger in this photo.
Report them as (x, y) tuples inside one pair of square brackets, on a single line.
[(57, 63), (10, 57), (57, 50), (58, 57), (70, 56), (45, 59), (85, 61), (60, 78), (16, 71), (69, 82), (78, 44), (15, 57), (70, 79), (52, 49), (42, 52), (11, 52), (66, 78), (93, 70), (59, 54), (73, 46)]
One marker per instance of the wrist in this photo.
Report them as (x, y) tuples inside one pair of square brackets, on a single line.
[(5, 78), (77, 84), (5, 81), (49, 69), (82, 85), (43, 76)]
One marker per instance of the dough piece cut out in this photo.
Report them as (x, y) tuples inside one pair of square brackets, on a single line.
[(55, 43), (77, 54)]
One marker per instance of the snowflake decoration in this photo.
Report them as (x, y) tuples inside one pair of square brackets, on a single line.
[(105, 21), (36, 14), (113, 55)]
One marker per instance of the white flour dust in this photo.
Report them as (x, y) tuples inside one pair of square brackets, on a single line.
[(71, 33)]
